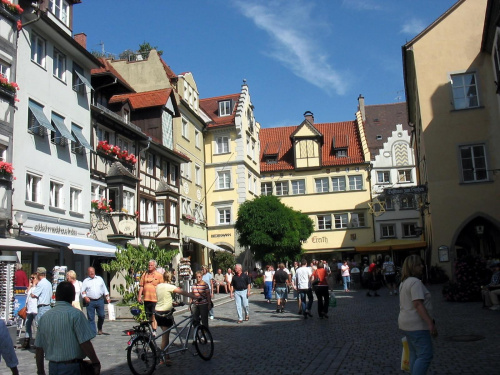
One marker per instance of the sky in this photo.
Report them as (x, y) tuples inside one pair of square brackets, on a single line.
[(296, 55)]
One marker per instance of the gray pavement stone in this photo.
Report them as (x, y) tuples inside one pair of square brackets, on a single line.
[(360, 337)]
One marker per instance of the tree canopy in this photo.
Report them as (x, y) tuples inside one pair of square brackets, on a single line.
[(272, 230)]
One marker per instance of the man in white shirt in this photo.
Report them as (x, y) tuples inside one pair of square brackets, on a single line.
[(303, 278), (94, 292)]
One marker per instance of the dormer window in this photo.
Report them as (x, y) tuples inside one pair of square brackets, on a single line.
[(60, 9), (341, 153), (225, 108), (271, 159)]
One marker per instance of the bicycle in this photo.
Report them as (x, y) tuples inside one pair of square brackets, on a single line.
[(143, 352)]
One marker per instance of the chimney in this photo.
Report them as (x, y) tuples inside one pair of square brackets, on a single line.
[(81, 39), (309, 116), (361, 106)]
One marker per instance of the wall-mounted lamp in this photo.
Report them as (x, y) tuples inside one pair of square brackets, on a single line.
[(479, 230)]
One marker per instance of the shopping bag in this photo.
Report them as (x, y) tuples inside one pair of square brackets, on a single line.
[(111, 311), (333, 300), (405, 356)]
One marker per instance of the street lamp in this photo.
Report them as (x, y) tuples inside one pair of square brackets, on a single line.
[(21, 218)]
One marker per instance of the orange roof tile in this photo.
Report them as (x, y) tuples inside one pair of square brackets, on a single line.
[(109, 69), (345, 133), (145, 99), (168, 70), (211, 108)]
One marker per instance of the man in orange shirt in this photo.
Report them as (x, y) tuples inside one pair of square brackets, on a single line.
[(147, 286)]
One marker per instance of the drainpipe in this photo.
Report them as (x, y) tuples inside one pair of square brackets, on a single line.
[(39, 14), (138, 200)]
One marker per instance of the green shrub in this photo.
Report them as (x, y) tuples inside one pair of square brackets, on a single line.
[(259, 282), (469, 272)]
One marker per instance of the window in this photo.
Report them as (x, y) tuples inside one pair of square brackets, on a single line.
[(271, 159), (253, 150), (129, 202), (281, 188), (341, 153), (102, 135), (186, 206), (250, 181), (75, 200), (222, 145), (124, 144), (387, 230), (409, 230), (79, 81), (388, 203), (37, 122), (473, 160), (249, 148), (56, 190), (5, 70), (126, 115), (324, 222), (355, 183), (321, 185), (173, 212), (76, 146), (298, 187), (150, 213), (224, 215), (173, 174), (224, 108), (464, 88), (341, 221), (142, 213), (59, 65), (338, 183), (197, 139), (37, 50), (266, 188), (185, 128), (150, 164), (160, 212), (383, 177), (404, 175), (357, 220), (33, 188), (60, 9), (97, 192), (407, 202), (224, 179), (197, 174)]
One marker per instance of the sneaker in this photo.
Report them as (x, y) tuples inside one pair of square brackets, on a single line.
[(495, 307), (211, 317), (277, 310)]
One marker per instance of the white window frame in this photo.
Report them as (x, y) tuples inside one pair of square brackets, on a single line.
[(222, 145), (356, 182), (150, 165), (197, 139), (160, 212), (60, 9), (387, 231), (185, 128), (38, 49), (129, 201), (150, 211), (475, 166), (56, 194), (33, 188), (142, 212), (98, 192), (75, 199), (186, 206), (59, 65), (404, 175), (461, 91), (5, 69), (407, 202), (223, 215), (338, 183), (266, 188), (173, 213), (225, 108), (383, 177), (409, 230), (341, 221), (281, 188), (324, 222), (319, 185), (298, 187), (197, 174), (223, 180)]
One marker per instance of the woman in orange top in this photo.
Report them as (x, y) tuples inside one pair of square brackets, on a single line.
[(321, 289), (147, 286)]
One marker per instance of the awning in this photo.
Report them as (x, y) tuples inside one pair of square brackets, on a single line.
[(59, 124), (392, 244), (77, 131), (37, 111), (12, 244), (84, 80), (79, 245), (207, 244)]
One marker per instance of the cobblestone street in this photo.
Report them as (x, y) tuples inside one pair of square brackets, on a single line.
[(360, 337)]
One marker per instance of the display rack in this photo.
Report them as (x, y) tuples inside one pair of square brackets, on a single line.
[(7, 270), (58, 275)]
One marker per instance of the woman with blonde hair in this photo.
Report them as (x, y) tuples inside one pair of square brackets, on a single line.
[(415, 315), (71, 277)]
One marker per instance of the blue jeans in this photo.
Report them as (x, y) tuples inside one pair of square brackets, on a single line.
[(347, 282), (241, 299), (92, 308), (30, 318), (421, 353), (64, 368), (41, 311), (303, 293), (268, 289)]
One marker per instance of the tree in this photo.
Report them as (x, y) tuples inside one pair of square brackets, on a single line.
[(144, 49), (132, 260), (223, 260), (272, 230)]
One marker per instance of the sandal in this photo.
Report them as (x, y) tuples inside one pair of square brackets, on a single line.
[(246, 319), (240, 321)]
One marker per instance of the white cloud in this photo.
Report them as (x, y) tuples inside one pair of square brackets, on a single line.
[(413, 26), (291, 26), (361, 4)]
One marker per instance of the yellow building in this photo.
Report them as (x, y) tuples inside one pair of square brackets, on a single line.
[(322, 170), (231, 164), (450, 77)]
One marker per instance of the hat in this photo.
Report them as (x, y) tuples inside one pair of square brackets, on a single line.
[(495, 264), (41, 270)]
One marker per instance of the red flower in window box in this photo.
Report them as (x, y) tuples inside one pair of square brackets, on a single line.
[(13, 8), (6, 168)]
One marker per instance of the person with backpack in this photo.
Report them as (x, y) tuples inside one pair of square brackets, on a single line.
[(389, 272)]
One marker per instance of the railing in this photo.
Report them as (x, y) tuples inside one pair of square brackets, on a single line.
[(116, 117)]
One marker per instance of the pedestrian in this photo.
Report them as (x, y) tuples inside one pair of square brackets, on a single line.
[(42, 293), (321, 290), (229, 278), (346, 276), (268, 283), (209, 279), (94, 292), (240, 288), (20, 277), (389, 272), (303, 278), (296, 296), (7, 349), (31, 311), (494, 286), (147, 287), (71, 277), (415, 315), (373, 279), (220, 280), (202, 300), (63, 336), (164, 306), (280, 287)]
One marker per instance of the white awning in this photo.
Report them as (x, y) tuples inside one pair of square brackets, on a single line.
[(13, 244), (207, 244), (79, 245)]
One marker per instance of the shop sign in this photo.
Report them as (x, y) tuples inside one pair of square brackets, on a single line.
[(127, 226), (149, 228), (221, 235), (420, 189), (55, 230)]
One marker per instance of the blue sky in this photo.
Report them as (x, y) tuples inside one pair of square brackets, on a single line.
[(296, 55)]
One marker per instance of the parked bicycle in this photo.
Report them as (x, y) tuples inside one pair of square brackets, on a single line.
[(143, 352)]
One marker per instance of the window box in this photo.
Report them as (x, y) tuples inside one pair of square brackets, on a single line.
[(101, 205), (111, 150), (6, 171), (12, 8)]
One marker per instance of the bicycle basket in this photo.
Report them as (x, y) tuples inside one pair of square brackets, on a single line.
[(135, 311)]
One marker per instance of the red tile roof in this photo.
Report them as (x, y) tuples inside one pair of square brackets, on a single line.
[(211, 107), (145, 99), (345, 133), (168, 70), (108, 69)]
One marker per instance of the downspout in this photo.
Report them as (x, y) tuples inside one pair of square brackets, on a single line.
[(39, 15), (138, 174)]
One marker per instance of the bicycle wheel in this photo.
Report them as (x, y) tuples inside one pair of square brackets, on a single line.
[(141, 356), (203, 342)]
